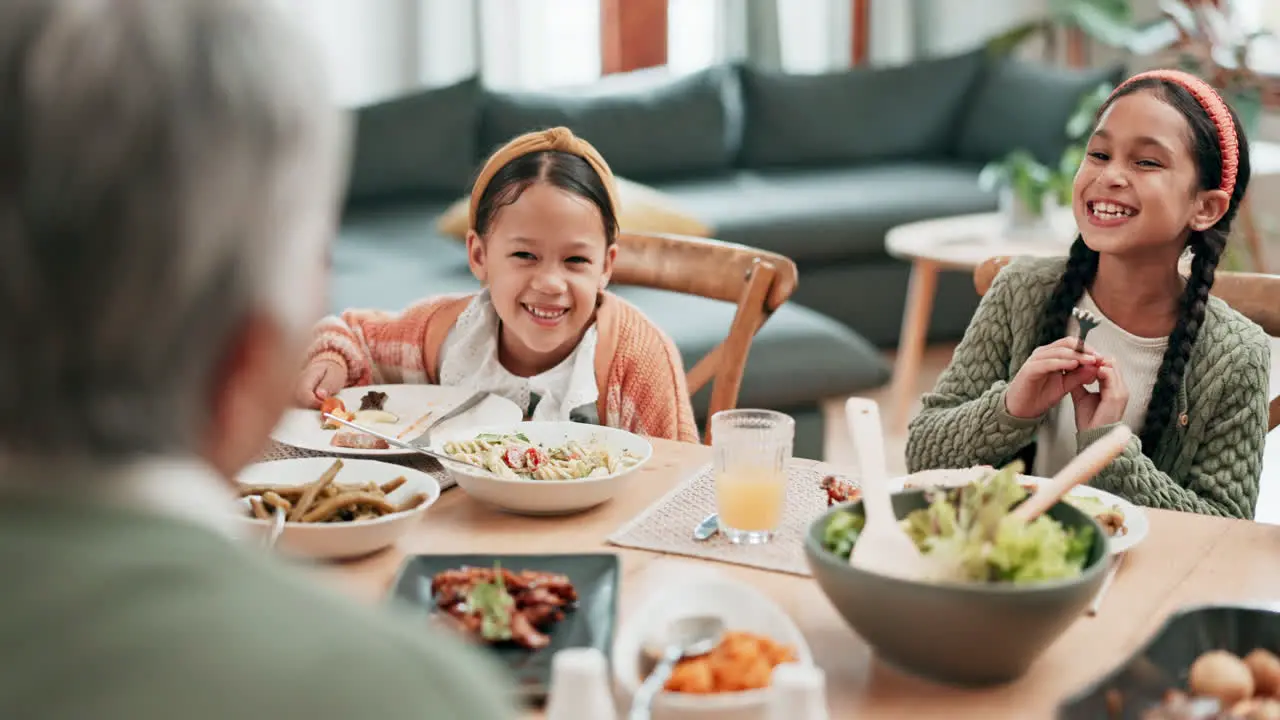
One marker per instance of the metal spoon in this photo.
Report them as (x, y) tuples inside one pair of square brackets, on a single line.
[(707, 529), (277, 528), (686, 637)]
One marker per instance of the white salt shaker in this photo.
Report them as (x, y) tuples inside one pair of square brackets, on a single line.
[(798, 692), (580, 687)]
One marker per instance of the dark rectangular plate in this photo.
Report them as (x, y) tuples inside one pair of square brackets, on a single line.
[(1164, 661), (591, 624)]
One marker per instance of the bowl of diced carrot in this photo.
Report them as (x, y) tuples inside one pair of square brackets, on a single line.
[(733, 681)]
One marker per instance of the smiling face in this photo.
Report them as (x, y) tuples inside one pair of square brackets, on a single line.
[(545, 259), (1139, 187)]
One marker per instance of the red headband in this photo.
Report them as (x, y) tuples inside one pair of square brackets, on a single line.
[(1212, 103)]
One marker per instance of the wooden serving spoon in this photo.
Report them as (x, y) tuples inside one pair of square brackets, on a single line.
[(1082, 468), (883, 547)]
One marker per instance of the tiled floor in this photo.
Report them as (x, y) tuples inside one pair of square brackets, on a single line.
[(839, 448)]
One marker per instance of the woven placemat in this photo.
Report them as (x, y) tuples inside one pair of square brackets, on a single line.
[(422, 463), (667, 525)]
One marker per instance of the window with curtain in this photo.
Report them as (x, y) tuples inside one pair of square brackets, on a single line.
[(380, 48), (692, 42), (538, 44), (807, 36), (1262, 15)]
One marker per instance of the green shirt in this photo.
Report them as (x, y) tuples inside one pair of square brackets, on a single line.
[(1208, 464), (110, 613)]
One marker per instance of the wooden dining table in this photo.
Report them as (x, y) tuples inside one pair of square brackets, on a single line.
[(1185, 560)]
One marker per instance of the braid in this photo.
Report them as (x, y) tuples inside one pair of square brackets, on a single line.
[(1207, 246), (1082, 265)]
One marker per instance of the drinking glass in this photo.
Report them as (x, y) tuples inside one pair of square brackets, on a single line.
[(751, 450)]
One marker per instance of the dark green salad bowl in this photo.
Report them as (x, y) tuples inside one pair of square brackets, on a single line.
[(968, 634)]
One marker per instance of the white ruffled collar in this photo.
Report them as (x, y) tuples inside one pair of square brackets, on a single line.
[(470, 360)]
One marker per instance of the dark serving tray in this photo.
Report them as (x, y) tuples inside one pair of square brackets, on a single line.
[(1164, 661), (590, 624)]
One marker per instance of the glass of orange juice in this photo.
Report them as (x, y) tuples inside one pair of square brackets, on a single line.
[(751, 451)]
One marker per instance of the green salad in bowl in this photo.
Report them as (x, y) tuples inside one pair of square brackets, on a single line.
[(969, 535)]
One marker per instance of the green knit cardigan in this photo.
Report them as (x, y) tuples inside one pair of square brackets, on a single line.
[(1209, 457)]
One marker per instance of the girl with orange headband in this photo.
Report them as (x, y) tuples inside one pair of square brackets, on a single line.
[(1166, 169), (543, 332)]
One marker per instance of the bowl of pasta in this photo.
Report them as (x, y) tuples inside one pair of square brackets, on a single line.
[(542, 468)]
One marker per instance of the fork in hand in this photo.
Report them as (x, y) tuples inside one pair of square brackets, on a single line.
[(1088, 321)]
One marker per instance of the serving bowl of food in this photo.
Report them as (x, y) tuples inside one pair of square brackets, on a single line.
[(542, 468), (334, 509), (1209, 662), (1125, 524), (733, 681), (1000, 591)]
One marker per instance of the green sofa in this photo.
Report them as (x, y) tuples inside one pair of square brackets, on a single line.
[(816, 167)]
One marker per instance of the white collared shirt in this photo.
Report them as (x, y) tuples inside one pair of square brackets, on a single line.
[(1137, 358), (469, 359)]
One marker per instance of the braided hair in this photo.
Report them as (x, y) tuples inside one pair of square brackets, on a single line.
[(1206, 246)]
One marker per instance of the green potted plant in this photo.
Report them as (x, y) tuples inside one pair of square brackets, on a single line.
[(1025, 185), (1206, 39), (1109, 22), (1028, 188)]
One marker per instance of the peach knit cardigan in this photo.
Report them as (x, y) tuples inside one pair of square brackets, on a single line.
[(641, 379)]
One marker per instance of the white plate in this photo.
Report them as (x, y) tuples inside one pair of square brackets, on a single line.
[(679, 589), (1136, 523), (545, 497), (301, 428), (331, 541)]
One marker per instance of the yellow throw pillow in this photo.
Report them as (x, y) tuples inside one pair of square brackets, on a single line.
[(644, 210)]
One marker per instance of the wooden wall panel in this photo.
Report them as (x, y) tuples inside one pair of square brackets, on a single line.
[(861, 29), (633, 35)]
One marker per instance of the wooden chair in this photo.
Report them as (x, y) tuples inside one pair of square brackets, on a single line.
[(757, 281), (1253, 295)]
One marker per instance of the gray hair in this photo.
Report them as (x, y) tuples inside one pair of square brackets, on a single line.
[(167, 168)]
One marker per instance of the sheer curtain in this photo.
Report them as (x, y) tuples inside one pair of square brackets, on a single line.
[(380, 48), (1262, 15), (537, 44), (795, 36)]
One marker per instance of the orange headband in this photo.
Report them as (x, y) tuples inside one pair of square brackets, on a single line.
[(1218, 112), (559, 139)]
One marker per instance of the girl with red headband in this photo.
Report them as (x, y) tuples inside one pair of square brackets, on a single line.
[(543, 332), (1166, 169)]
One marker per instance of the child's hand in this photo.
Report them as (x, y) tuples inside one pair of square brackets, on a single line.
[(320, 379), (1105, 407), (1050, 374)]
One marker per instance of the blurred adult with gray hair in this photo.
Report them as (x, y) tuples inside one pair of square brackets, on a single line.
[(169, 177)]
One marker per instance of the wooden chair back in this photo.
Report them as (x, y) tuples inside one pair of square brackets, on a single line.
[(757, 281), (1254, 295)]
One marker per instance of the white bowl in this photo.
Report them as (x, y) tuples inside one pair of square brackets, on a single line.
[(332, 541), (680, 589), (545, 497)]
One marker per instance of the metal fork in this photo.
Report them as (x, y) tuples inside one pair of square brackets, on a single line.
[(424, 439), (1088, 321)]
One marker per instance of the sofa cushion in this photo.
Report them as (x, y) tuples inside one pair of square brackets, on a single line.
[(389, 257), (644, 210), (423, 142), (855, 116), (647, 124), (1021, 105), (835, 214), (798, 357)]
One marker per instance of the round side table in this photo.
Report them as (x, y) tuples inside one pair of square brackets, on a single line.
[(961, 243)]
